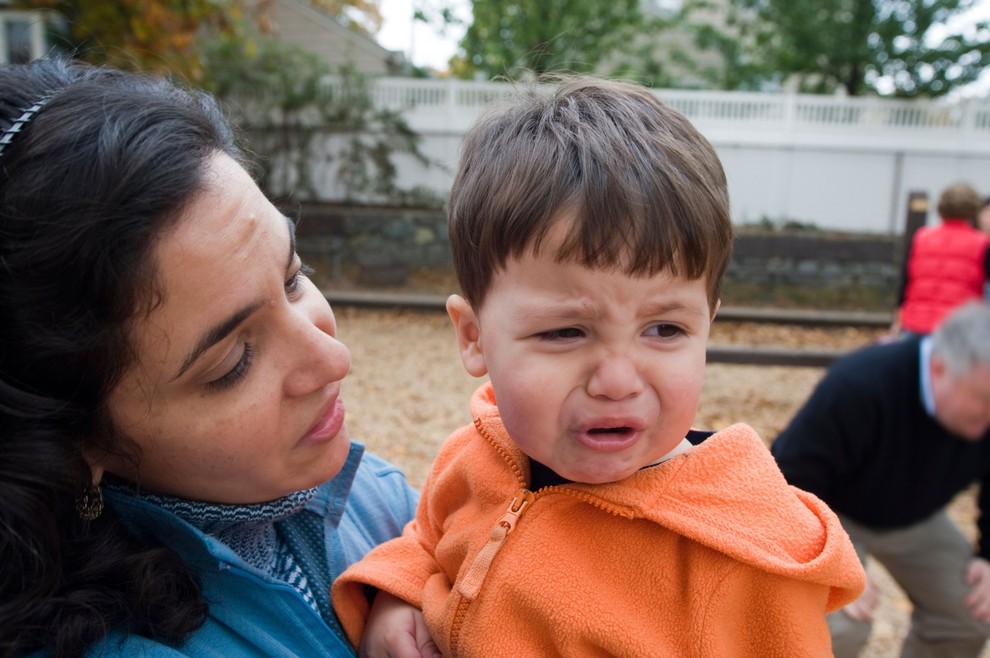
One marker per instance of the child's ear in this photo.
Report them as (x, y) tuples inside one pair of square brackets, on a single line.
[(468, 335), (718, 305)]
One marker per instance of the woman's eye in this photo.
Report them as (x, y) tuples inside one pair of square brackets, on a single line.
[(665, 331), (292, 284), (561, 334), (236, 373)]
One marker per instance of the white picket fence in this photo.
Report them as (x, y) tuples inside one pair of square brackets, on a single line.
[(840, 163)]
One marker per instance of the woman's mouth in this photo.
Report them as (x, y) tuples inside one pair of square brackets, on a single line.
[(327, 427)]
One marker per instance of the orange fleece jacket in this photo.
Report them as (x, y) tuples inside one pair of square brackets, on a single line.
[(710, 554)]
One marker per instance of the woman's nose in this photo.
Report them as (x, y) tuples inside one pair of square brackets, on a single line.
[(319, 358), (615, 377)]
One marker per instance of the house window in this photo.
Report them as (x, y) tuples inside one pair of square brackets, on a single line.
[(18, 45), (22, 36)]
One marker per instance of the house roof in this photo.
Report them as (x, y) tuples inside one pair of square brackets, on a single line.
[(301, 24)]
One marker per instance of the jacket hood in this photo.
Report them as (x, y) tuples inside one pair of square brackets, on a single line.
[(728, 494)]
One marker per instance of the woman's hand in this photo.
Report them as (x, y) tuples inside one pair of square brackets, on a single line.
[(396, 629)]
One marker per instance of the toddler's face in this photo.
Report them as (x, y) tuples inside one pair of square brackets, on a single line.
[(596, 374)]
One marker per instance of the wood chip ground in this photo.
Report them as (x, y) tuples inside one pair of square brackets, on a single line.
[(407, 391)]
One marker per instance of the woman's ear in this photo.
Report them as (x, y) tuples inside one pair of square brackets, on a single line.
[(468, 335)]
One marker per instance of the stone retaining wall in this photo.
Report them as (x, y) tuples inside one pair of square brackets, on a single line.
[(774, 258), (385, 242)]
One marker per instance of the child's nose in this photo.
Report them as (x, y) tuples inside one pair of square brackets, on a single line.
[(615, 377)]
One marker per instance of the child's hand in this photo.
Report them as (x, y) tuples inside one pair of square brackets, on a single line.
[(396, 629), (862, 608)]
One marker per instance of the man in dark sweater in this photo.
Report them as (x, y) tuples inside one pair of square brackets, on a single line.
[(888, 438)]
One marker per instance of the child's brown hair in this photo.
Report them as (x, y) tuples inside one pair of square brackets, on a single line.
[(646, 189)]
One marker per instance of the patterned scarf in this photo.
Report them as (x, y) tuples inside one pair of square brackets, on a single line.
[(249, 530)]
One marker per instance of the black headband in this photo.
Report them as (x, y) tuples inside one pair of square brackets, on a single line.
[(20, 122)]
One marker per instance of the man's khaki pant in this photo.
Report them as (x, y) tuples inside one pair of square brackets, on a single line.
[(928, 560)]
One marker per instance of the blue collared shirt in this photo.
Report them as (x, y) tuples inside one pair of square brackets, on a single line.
[(252, 614), (925, 355)]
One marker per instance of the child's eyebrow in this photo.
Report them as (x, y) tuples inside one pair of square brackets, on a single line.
[(571, 311), (563, 311), (663, 308)]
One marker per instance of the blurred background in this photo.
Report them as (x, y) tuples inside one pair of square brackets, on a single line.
[(836, 120)]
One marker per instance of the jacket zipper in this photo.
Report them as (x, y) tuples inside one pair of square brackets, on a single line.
[(474, 577), (469, 586)]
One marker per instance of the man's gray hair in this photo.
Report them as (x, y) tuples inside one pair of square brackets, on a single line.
[(963, 339)]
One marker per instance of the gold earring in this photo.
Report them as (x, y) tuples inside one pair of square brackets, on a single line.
[(89, 505)]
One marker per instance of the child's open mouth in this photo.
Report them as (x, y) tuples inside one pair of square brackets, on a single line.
[(609, 439), (617, 431)]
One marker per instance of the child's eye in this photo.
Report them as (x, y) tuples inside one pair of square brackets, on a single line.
[(292, 283), (665, 331), (561, 334), (236, 373)]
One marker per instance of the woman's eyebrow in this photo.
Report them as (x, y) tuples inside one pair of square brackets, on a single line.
[(217, 333), (223, 329), (292, 242)]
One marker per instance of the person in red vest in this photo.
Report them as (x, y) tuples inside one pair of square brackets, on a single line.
[(983, 223), (947, 264)]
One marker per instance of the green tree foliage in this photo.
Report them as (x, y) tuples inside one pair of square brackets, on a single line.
[(277, 92), (164, 35), (541, 36), (897, 47), (720, 46), (152, 35), (283, 98)]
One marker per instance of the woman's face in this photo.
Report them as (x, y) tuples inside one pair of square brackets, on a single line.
[(235, 393)]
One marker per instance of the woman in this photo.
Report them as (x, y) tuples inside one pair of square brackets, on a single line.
[(162, 350)]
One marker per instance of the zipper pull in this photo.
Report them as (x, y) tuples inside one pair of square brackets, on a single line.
[(471, 582)]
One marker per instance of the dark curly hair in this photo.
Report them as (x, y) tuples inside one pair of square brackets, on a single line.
[(86, 188)]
